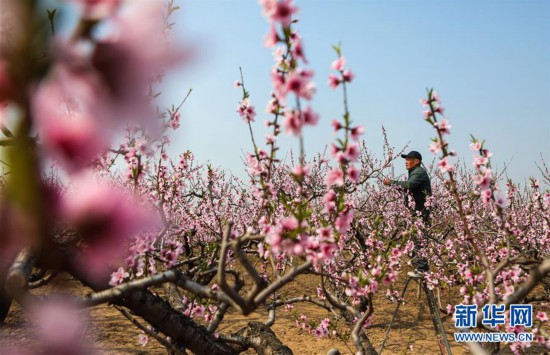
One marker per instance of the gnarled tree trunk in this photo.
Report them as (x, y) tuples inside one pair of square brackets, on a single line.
[(262, 339)]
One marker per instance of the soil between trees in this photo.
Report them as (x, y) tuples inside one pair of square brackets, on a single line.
[(110, 332)]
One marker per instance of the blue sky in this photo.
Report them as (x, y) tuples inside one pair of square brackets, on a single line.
[(489, 61)]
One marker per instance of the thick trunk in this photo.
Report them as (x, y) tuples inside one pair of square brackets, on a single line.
[(173, 296), (263, 340), (182, 330), (5, 303), (367, 345)]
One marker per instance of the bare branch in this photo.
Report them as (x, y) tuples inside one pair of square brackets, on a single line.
[(262, 296), (173, 276)]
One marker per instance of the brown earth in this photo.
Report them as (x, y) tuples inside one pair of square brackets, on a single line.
[(112, 333)]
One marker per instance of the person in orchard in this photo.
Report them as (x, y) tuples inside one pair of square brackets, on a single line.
[(419, 186)]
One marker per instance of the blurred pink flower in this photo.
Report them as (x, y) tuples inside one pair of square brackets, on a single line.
[(274, 239), (352, 152), (500, 200), (336, 125), (309, 117), (324, 234), (445, 166), (299, 82), (475, 146), (69, 111), (439, 109), (105, 218), (333, 81), (329, 200), (292, 123), (289, 223), (301, 171), (60, 326), (486, 153), (97, 9), (486, 195), (353, 174), (339, 63), (484, 179), (335, 177), (279, 11), (335, 151), (443, 126), (127, 66), (269, 139), (343, 221), (348, 76), (254, 166), (246, 110), (355, 132), (271, 106), (271, 38), (479, 161), (435, 147), (298, 48), (175, 120)]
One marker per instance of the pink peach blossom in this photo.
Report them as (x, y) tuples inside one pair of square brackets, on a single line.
[(352, 152), (271, 38), (292, 123), (309, 117), (443, 126), (118, 277), (333, 81), (336, 125), (68, 109), (105, 218), (475, 146), (348, 76), (143, 339), (542, 316), (98, 9), (445, 166), (353, 174), (435, 147), (357, 131), (339, 63), (335, 177)]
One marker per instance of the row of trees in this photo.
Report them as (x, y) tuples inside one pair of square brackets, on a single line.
[(123, 216)]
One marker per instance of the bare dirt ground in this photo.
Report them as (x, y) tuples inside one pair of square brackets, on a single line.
[(110, 332)]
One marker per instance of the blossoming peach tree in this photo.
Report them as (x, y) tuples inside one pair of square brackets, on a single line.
[(180, 243)]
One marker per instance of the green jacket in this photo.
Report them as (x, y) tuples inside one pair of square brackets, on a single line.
[(418, 185)]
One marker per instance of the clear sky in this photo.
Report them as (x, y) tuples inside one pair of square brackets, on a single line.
[(489, 61)]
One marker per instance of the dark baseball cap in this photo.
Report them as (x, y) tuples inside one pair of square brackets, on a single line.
[(412, 154)]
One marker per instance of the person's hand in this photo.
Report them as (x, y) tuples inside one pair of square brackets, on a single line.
[(387, 181)]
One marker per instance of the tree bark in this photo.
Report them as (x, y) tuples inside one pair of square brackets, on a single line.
[(181, 329), (262, 339), (173, 296)]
